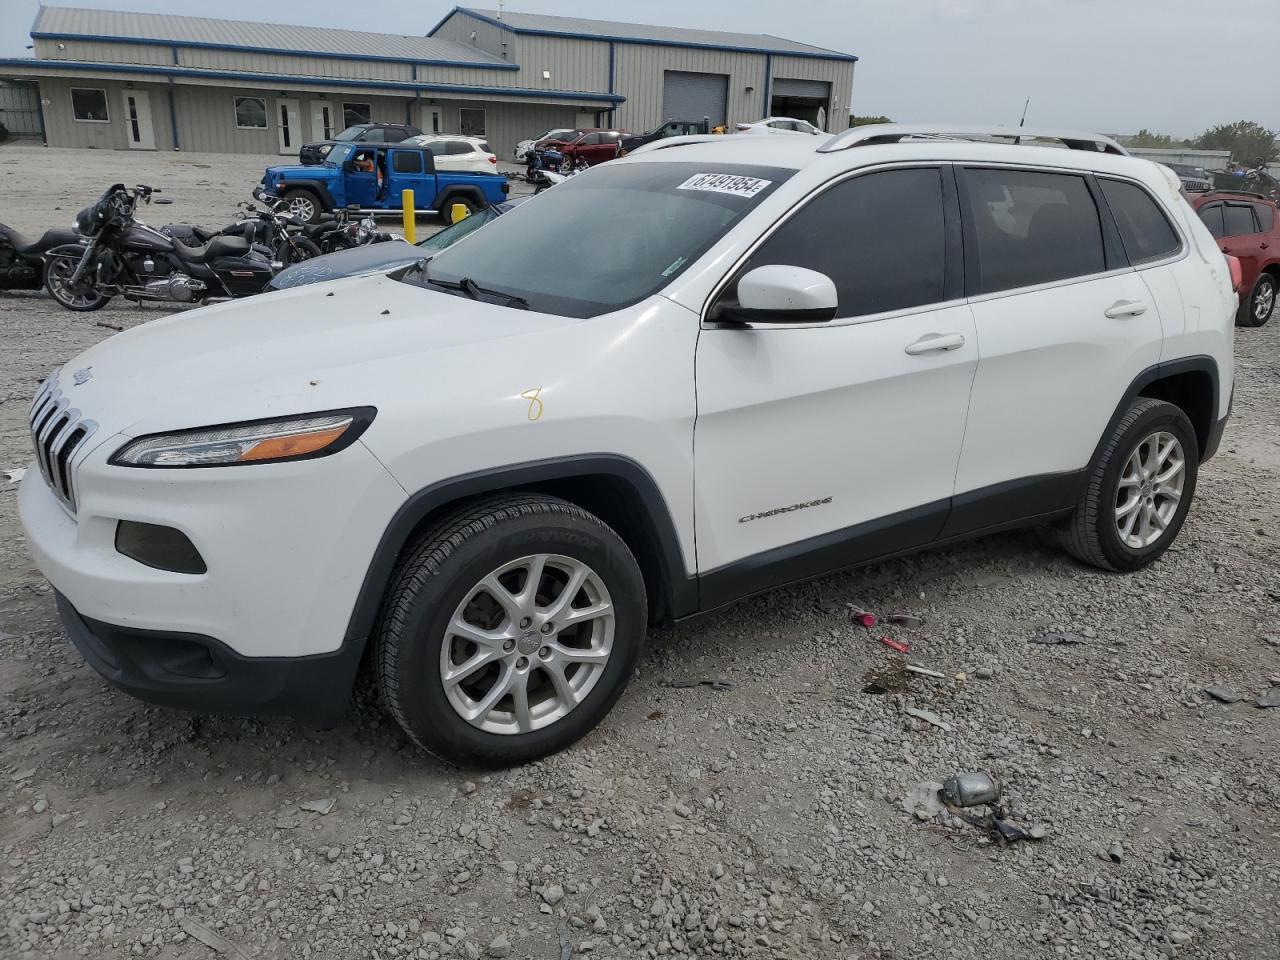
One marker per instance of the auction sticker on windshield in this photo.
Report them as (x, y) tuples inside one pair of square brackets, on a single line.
[(725, 183)]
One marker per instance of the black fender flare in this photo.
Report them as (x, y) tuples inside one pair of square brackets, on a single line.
[(318, 187), (459, 191), (682, 590)]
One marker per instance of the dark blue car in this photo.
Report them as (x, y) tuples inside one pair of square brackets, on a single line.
[(374, 177)]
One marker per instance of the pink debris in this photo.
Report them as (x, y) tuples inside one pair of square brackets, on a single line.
[(900, 645), (867, 620)]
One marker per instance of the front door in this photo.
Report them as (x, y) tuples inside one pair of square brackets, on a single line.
[(288, 124), (365, 174), (819, 445), (324, 120), (137, 118)]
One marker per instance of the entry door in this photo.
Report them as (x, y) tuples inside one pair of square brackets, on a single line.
[(324, 120), (289, 124), (137, 118), (432, 120), (819, 445)]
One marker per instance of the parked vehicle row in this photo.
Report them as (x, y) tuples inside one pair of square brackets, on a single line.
[(1247, 227)]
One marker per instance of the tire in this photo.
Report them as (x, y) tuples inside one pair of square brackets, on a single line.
[(303, 204), (298, 250), (438, 583), (566, 166), (1256, 309), (1093, 533), (446, 214), (84, 299)]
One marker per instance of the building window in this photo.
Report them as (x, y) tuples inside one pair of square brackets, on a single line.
[(89, 105), (353, 113), (471, 122), (251, 113)]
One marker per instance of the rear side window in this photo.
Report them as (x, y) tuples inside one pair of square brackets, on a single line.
[(879, 237), (484, 146), (456, 148), (1266, 216), (1145, 230), (375, 135), (1033, 227), (1211, 215), (406, 161), (1239, 219)]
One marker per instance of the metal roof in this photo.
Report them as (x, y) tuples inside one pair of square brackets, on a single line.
[(62, 23), (537, 23)]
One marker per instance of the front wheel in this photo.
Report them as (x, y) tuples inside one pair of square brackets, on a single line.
[(297, 249), (510, 630), (1257, 307), (83, 297), (304, 205), (1139, 489)]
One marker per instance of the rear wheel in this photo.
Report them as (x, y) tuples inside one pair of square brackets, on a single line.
[(510, 630), (84, 296), (1139, 489), (303, 204), (1257, 307)]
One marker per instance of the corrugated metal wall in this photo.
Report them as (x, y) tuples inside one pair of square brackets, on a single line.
[(20, 109), (489, 38), (506, 124), (63, 130), (838, 73), (640, 71)]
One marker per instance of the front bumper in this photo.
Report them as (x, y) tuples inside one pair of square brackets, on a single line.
[(187, 671)]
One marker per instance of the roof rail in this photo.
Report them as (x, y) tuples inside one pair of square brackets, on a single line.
[(666, 142), (1252, 194), (895, 132)]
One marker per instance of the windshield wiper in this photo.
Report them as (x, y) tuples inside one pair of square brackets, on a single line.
[(474, 291)]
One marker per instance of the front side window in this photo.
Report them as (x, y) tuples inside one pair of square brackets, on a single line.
[(1211, 215), (879, 237), (251, 113), (590, 140), (89, 105), (471, 122), (1033, 227), (636, 227), (354, 113), (1144, 229), (1239, 220)]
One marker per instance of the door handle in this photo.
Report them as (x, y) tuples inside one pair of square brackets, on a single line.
[(931, 342), (1264, 245), (1123, 309)]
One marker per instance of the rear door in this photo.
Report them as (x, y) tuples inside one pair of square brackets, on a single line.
[(408, 172), (1064, 324), (1243, 239)]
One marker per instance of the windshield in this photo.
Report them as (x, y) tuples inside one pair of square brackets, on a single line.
[(608, 238), (558, 134), (340, 154)]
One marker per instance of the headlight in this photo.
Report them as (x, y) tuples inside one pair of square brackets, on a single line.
[(259, 441)]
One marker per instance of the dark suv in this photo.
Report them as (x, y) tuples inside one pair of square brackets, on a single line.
[(358, 133), (1247, 227), (672, 128)]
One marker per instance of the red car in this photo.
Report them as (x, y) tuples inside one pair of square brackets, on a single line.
[(1247, 227), (593, 145)]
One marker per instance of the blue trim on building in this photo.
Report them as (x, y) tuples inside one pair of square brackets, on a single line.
[(275, 51), (639, 41), (613, 64), (272, 79), (768, 85)]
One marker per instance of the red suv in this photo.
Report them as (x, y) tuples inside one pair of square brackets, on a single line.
[(1247, 227), (593, 145)]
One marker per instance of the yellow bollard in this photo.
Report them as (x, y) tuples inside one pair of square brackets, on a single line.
[(459, 211), (410, 217)]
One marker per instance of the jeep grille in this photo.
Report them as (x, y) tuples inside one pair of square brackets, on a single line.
[(57, 432)]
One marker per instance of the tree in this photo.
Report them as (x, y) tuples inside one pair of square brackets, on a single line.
[(855, 121), (1144, 138), (1248, 142)]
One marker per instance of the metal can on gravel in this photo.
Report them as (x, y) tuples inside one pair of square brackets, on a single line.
[(971, 789)]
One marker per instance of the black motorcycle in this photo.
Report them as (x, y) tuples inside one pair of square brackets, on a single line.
[(22, 259), (125, 257), (276, 234)]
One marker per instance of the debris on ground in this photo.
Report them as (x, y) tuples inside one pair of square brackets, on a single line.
[(1056, 637), (211, 938), (906, 620), (714, 684), (971, 789), (1223, 693), (109, 326), (865, 619), (321, 807), (924, 801), (900, 645), (892, 677), (1116, 851), (912, 668), (1269, 699), (928, 717)]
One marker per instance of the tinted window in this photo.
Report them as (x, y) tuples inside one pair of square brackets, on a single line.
[(1239, 220), (406, 161), (1145, 230), (485, 147), (1211, 214), (374, 135), (1266, 216), (879, 238), (455, 148), (1033, 227), (610, 137), (589, 140)]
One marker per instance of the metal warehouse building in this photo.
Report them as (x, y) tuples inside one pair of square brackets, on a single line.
[(118, 80)]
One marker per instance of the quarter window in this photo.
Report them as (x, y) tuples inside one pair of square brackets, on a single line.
[(353, 113), (456, 148), (879, 237), (406, 161), (1033, 227), (1266, 215), (1239, 220), (89, 105), (1145, 230), (471, 122)]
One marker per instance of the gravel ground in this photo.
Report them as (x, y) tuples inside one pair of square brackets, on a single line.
[(764, 820)]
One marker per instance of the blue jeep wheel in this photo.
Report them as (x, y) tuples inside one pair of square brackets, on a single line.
[(303, 204)]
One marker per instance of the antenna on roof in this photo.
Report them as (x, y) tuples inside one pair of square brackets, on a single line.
[(1023, 121)]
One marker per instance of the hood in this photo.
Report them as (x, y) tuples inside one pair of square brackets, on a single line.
[(314, 348), (287, 170), (369, 258)]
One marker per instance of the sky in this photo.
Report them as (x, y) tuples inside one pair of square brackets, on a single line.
[(1111, 66)]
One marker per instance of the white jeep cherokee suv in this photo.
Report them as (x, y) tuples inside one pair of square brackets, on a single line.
[(751, 361)]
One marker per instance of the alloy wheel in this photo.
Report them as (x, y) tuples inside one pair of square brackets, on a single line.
[(527, 644), (59, 274), (302, 208), (1264, 301), (1150, 490)]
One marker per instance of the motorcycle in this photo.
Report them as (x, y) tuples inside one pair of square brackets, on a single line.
[(22, 259), (125, 257), (275, 233)]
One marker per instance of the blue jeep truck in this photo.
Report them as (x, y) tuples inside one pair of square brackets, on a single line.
[(373, 177)]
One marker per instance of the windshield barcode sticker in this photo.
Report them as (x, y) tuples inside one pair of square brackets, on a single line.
[(725, 183)]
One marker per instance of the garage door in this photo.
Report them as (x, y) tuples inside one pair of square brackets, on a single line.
[(817, 89), (692, 96)]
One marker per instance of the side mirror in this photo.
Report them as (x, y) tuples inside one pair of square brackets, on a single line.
[(784, 294)]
